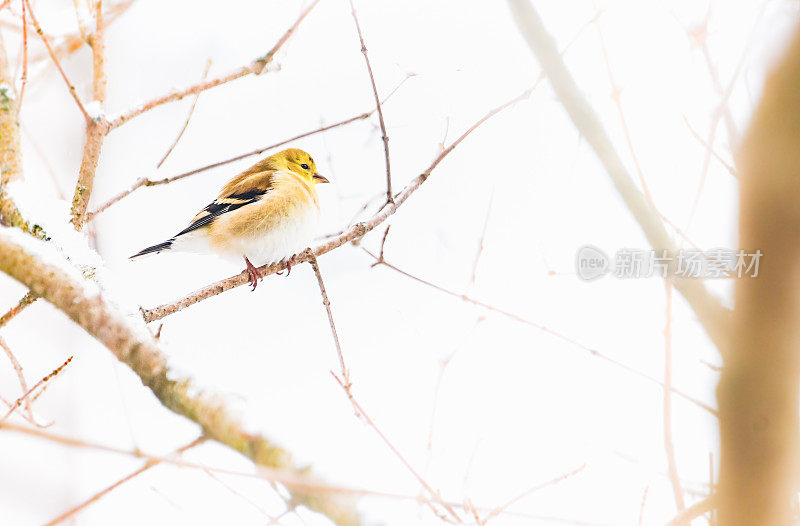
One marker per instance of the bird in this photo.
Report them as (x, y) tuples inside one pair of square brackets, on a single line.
[(268, 213)]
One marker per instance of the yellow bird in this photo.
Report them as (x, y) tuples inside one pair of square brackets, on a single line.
[(265, 214)]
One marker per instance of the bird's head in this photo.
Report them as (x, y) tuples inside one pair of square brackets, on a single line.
[(299, 162)]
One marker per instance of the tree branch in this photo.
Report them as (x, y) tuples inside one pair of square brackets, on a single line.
[(714, 318), (256, 67), (150, 182), (357, 231), (758, 387), (138, 350), (96, 128), (385, 136)]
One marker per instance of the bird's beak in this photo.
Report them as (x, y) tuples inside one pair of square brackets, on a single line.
[(320, 178)]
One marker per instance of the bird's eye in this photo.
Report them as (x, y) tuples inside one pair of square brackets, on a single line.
[(304, 166)]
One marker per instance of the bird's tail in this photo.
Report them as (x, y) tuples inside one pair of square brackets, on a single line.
[(155, 249)]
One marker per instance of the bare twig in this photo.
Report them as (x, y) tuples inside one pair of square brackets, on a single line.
[(616, 96), (641, 506), (20, 375), (141, 353), (289, 479), (148, 182), (256, 67), (721, 111), (479, 252), (41, 382), (345, 379), (24, 79), (363, 414), (714, 318), (495, 512), (389, 194), (97, 496), (11, 151), (96, 128), (698, 509), (188, 117), (355, 232), (21, 305), (547, 330), (708, 147), (669, 446), (383, 246), (52, 54)]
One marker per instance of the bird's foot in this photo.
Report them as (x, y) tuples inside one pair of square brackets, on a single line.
[(289, 262), (253, 272)]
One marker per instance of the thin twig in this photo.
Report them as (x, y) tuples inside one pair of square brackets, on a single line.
[(712, 315), (708, 147), (43, 381), (718, 114), (385, 136), (534, 489), (55, 61), (363, 414), (21, 305), (355, 232), (256, 67), (102, 493), (479, 252), (616, 96), (24, 79), (20, 375), (641, 506), (188, 117), (345, 379), (148, 182), (383, 246), (698, 509), (669, 445), (287, 478), (560, 336), (108, 325)]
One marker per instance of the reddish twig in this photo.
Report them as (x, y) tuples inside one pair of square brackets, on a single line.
[(43, 381), (24, 79), (256, 67), (383, 246), (641, 506), (616, 96), (52, 54), (385, 136), (534, 489), (709, 148), (188, 117), (20, 375), (479, 252), (345, 379), (563, 337), (21, 305), (355, 232), (97, 496), (363, 414), (148, 182)]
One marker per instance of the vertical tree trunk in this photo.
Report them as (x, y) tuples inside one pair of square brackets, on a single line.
[(758, 390)]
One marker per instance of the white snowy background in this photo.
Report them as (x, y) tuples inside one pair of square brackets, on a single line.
[(516, 406)]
